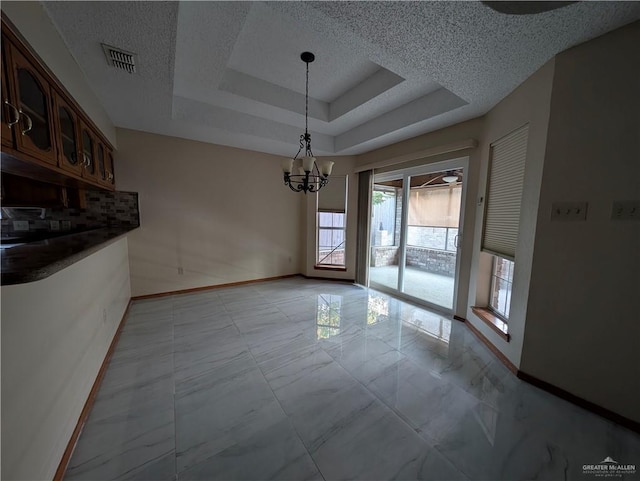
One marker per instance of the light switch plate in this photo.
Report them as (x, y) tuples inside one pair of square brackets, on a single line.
[(54, 225), (569, 211), (625, 210), (20, 225), (66, 225)]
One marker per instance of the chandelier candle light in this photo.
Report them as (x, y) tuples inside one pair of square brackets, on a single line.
[(310, 178)]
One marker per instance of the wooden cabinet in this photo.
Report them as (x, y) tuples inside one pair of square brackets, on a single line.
[(111, 175), (88, 143), (68, 136), (45, 134), (31, 94), (10, 115), (104, 157)]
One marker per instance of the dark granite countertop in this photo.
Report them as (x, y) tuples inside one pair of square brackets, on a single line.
[(36, 260)]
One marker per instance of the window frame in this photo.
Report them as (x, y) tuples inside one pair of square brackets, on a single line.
[(319, 228), (509, 281)]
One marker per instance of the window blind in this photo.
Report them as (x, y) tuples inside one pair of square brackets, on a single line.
[(504, 194), (332, 197)]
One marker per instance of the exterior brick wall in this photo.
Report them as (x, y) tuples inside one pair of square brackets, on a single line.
[(384, 256), (337, 258), (432, 260)]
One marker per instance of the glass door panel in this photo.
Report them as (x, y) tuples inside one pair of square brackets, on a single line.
[(432, 234), (386, 222)]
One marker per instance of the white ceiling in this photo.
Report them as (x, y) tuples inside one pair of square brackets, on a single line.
[(230, 72)]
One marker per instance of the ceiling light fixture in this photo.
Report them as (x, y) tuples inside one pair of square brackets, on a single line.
[(450, 177), (309, 178)]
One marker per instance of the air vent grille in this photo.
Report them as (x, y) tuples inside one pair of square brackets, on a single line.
[(120, 59)]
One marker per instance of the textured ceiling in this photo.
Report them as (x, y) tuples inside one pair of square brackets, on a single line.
[(230, 72)]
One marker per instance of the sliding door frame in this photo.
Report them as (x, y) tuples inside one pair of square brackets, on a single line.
[(405, 174)]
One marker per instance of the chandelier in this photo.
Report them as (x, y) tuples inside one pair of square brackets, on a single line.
[(309, 178)]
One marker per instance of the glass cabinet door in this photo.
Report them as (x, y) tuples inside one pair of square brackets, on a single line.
[(32, 91), (102, 170), (68, 148), (88, 153), (110, 172)]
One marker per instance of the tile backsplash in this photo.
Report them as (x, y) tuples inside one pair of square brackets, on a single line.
[(103, 209)]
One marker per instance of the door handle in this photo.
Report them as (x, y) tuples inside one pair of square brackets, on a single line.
[(16, 114), (456, 241)]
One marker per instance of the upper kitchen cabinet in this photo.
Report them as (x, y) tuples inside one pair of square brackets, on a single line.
[(46, 136), (31, 94), (104, 158), (88, 141), (111, 179)]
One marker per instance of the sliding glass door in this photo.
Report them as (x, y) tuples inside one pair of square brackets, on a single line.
[(415, 232)]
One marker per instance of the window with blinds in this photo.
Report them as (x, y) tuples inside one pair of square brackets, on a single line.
[(504, 194), (332, 222)]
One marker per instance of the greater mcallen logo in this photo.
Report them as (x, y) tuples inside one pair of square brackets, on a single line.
[(608, 468)]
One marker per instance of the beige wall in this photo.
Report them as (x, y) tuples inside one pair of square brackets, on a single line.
[(221, 214), (55, 335), (583, 329), (527, 104), (471, 129), (36, 27)]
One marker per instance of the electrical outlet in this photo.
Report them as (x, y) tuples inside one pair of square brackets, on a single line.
[(625, 210), (66, 224), (568, 211), (54, 225), (21, 225), (180, 271)]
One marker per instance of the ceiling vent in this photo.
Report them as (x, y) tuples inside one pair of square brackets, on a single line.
[(120, 59)]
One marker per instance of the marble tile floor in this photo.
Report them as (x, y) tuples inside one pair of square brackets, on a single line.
[(301, 379)]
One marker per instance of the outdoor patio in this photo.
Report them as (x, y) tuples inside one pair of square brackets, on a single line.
[(434, 288)]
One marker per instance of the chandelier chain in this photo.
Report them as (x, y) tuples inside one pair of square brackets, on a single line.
[(306, 104)]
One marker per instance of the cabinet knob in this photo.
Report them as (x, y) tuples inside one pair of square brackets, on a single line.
[(16, 114), (29, 122)]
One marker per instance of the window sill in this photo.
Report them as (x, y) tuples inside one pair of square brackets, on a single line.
[(330, 268), (493, 321)]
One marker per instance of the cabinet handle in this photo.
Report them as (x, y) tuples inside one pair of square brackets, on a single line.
[(29, 122), (16, 114), (87, 160), (109, 176)]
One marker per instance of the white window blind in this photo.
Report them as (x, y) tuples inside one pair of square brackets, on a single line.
[(504, 194), (332, 197)]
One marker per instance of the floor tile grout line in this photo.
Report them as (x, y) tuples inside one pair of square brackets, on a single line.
[(173, 372)]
